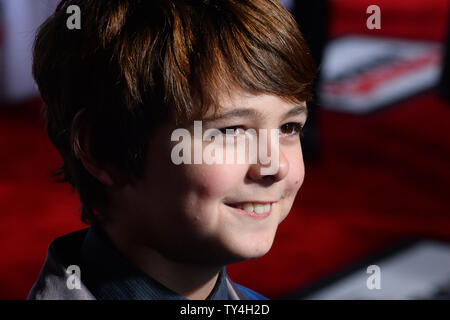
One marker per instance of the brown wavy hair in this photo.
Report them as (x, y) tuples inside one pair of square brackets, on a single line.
[(135, 63)]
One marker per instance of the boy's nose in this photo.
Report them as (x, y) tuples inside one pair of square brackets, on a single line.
[(279, 173)]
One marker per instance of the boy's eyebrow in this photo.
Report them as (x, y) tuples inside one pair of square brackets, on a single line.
[(254, 113), (297, 110)]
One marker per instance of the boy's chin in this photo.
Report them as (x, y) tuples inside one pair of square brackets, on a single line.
[(251, 250)]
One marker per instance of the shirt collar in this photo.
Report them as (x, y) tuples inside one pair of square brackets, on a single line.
[(110, 276)]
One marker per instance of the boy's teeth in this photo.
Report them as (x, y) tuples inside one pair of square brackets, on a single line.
[(256, 207), (248, 207), (259, 208)]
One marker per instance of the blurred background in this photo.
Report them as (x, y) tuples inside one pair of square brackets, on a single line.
[(376, 147)]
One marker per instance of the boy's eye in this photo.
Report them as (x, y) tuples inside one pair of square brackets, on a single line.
[(287, 129), (291, 129)]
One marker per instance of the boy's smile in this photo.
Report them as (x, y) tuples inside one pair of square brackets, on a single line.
[(216, 213), (254, 209)]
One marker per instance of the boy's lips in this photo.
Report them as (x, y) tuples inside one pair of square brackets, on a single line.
[(255, 209), (250, 201)]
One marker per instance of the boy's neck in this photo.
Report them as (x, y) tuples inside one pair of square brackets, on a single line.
[(190, 281)]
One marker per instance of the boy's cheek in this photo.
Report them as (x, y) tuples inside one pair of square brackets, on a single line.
[(216, 180), (295, 178)]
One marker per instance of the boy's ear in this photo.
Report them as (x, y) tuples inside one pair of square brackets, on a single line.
[(81, 131)]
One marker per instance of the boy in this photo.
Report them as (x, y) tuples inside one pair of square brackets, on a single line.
[(117, 89)]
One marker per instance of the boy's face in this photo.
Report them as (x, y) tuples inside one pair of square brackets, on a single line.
[(186, 212)]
